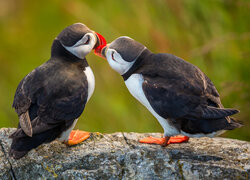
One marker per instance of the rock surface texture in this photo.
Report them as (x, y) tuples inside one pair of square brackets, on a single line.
[(120, 156)]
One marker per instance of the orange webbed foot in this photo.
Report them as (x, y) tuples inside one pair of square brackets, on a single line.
[(165, 140), (178, 139), (76, 137), (152, 140)]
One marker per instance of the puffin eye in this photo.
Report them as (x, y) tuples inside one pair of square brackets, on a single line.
[(112, 55), (87, 41)]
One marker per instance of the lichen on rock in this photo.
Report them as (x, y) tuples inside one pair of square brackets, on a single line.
[(120, 156)]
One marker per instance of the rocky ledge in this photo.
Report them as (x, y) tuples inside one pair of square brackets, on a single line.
[(120, 156)]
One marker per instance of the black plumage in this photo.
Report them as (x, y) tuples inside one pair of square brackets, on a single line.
[(52, 96), (181, 93)]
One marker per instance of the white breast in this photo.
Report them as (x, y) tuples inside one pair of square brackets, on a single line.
[(91, 81), (65, 135), (134, 85)]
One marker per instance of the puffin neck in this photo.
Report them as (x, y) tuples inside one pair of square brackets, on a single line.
[(137, 64)]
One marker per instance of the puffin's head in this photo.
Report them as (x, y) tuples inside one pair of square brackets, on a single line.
[(78, 39), (122, 53)]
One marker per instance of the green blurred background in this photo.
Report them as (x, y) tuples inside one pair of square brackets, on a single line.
[(212, 34)]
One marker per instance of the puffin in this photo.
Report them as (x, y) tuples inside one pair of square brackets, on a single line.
[(178, 94), (50, 99)]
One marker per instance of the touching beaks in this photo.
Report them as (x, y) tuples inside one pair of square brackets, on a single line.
[(100, 46), (101, 51)]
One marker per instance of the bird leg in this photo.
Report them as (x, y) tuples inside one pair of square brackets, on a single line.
[(76, 137), (165, 140)]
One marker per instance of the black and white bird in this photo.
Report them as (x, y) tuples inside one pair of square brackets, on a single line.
[(178, 94), (50, 99)]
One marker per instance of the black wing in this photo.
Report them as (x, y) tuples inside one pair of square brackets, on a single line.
[(58, 112), (21, 104), (177, 89), (50, 99)]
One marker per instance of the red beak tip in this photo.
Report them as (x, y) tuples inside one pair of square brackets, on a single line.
[(98, 51), (102, 44), (101, 39)]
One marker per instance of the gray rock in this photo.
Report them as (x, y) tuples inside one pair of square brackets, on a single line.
[(120, 156)]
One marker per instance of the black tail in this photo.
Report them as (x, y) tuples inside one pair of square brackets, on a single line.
[(22, 145), (206, 126), (233, 124), (210, 112)]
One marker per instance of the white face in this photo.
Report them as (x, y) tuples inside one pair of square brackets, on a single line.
[(83, 46), (117, 62)]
